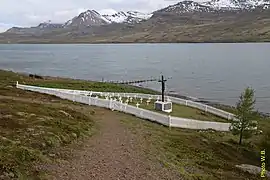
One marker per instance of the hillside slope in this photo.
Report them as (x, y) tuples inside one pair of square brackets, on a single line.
[(187, 21)]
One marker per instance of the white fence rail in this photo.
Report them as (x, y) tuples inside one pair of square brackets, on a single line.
[(201, 106), (80, 96)]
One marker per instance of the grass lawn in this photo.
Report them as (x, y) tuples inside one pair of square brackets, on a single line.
[(178, 111)]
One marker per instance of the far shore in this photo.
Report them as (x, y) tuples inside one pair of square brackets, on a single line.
[(138, 42)]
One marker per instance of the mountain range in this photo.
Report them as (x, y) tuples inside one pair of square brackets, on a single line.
[(186, 21)]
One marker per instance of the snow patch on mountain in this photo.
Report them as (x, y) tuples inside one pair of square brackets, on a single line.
[(236, 4), (87, 18), (127, 17), (216, 5), (187, 6)]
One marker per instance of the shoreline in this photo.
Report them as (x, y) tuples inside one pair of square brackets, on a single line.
[(199, 100), (195, 99), (142, 42)]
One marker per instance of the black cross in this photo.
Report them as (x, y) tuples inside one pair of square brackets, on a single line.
[(162, 86)]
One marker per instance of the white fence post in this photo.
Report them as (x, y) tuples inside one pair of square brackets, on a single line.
[(89, 100), (206, 108), (186, 102), (170, 121), (110, 103)]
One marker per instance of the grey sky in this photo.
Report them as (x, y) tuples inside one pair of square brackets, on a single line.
[(32, 12)]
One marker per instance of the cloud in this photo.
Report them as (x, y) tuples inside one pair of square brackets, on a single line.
[(32, 12)]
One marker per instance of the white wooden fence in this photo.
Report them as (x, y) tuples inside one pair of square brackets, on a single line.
[(81, 96)]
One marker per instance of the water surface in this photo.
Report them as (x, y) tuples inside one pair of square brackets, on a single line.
[(217, 72)]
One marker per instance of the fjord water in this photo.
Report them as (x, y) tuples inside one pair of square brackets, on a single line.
[(216, 72)]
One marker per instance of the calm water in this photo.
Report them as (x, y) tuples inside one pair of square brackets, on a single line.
[(217, 72)]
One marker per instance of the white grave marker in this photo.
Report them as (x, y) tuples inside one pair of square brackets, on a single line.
[(137, 105), (131, 99), (141, 100), (147, 102)]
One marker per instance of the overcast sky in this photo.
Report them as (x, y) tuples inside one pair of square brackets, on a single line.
[(32, 12)]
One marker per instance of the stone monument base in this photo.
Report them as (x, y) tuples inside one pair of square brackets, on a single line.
[(163, 106)]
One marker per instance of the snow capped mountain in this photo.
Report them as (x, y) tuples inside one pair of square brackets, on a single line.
[(237, 4), (93, 18), (187, 6), (216, 5), (87, 18), (127, 17)]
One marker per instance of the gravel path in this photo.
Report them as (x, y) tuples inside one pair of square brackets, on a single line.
[(114, 153)]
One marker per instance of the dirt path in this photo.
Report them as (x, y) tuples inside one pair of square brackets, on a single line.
[(114, 153), (111, 154)]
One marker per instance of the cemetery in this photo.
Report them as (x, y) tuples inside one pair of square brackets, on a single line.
[(177, 110)]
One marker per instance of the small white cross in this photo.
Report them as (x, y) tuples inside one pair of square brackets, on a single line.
[(147, 102), (141, 100), (137, 105), (131, 99)]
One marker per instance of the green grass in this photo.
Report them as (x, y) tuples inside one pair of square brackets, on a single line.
[(184, 112), (29, 132), (10, 78), (197, 154), (179, 111)]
